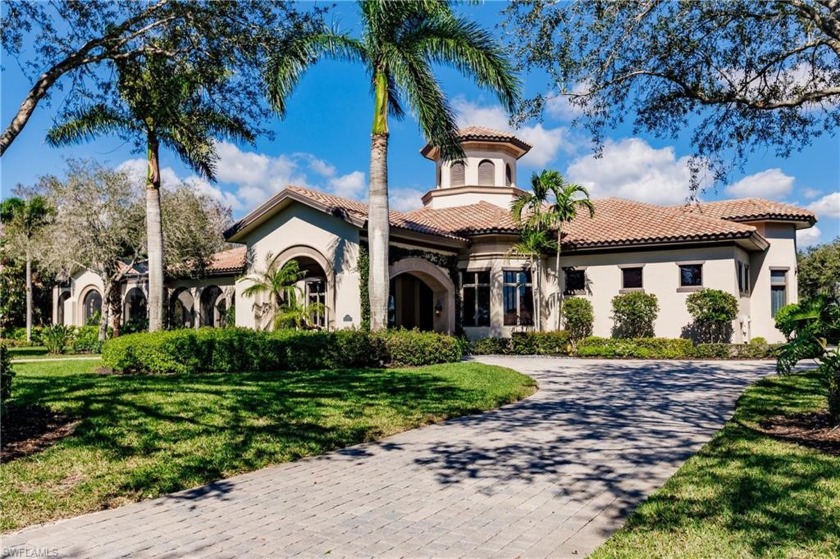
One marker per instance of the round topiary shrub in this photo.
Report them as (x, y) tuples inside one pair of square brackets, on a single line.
[(634, 315), (713, 311), (578, 317)]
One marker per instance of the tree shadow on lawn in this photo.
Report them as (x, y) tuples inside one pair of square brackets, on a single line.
[(618, 431), (185, 430)]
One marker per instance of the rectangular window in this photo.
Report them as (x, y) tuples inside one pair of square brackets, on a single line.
[(743, 271), (518, 298), (476, 298), (691, 275), (575, 280), (778, 290), (316, 293), (631, 278)]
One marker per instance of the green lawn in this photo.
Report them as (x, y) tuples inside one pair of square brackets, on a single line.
[(744, 494), (142, 436), (24, 352)]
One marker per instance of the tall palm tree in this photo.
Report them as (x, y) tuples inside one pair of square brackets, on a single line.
[(533, 244), (22, 220), (163, 103), (279, 283), (398, 45), (551, 204)]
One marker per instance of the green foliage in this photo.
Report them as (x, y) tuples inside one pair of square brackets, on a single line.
[(736, 351), (818, 270), (86, 340), (13, 300), (713, 311), (636, 348), (363, 267), (758, 340), (7, 375), (541, 343), (578, 316), (490, 346), (241, 349), (634, 315), (56, 338), (785, 319)]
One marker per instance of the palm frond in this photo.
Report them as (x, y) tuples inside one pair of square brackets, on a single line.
[(87, 123)]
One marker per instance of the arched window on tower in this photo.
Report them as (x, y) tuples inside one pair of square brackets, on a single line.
[(457, 173), (508, 175), (486, 173)]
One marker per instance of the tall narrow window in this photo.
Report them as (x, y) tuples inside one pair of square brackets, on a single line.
[(518, 298), (457, 174), (778, 290), (486, 173), (508, 175), (476, 297), (316, 297), (743, 271)]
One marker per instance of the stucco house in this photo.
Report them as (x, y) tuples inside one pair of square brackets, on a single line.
[(451, 269)]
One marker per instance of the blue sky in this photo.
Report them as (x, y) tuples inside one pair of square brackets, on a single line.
[(324, 143)]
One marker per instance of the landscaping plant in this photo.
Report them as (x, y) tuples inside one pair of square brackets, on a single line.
[(7, 375), (56, 338), (634, 315), (578, 316), (713, 311)]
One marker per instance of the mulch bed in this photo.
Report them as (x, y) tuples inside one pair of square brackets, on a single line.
[(32, 429), (813, 429)]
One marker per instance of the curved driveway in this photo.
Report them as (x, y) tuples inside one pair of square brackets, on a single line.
[(551, 476)]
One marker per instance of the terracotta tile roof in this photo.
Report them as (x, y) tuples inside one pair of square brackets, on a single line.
[(472, 219), (228, 261), (747, 209), (336, 204), (625, 222), (489, 134)]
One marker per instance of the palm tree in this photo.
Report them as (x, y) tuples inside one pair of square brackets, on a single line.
[(399, 43), (162, 103), (22, 220), (279, 283), (533, 244), (551, 204)]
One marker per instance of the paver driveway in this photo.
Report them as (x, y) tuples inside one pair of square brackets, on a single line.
[(550, 476)]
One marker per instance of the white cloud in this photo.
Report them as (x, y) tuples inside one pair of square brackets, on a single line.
[(137, 168), (547, 142), (771, 183), (828, 206), (405, 199), (316, 165), (808, 237), (811, 193), (351, 185), (632, 169), (560, 107)]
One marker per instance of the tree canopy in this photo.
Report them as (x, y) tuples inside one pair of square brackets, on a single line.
[(740, 75), (819, 270)]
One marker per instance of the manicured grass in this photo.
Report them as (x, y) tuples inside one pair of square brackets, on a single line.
[(142, 436), (744, 494), (27, 352)]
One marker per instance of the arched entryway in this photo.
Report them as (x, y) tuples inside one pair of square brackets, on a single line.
[(316, 287), (134, 309), (422, 296), (212, 306), (181, 308), (91, 306)]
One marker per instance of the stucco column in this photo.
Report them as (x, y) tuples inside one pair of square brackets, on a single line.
[(196, 295), (55, 294)]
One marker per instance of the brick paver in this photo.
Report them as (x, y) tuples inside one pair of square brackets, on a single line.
[(551, 476)]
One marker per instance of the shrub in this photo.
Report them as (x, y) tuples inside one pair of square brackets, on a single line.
[(19, 335), (637, 348), (540, 343), (758, 341), (7, 374), (86, 340), (634, 315), (490, 346), (56, 338), (735, 351), (785, 319), (415, 348), (713, 311), (578, 317), (240, 349)]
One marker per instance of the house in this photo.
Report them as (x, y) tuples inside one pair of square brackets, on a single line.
[(450, 263)]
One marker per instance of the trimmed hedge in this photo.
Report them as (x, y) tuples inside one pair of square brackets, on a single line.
[(638, 348), (525, 343), (736, 351), (240, 349)]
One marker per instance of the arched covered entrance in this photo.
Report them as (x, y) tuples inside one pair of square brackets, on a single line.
[(213, 306), (316, 289), (181, 308), (91, 306), (422, 296), (134, 309)]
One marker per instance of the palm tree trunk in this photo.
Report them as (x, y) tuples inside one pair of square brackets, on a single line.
[(378, 222), (559, 285), (106, 304), (28, 296), (154, 237), (537, 290)]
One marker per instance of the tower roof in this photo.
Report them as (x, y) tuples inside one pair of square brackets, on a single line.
[(482, 134)]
